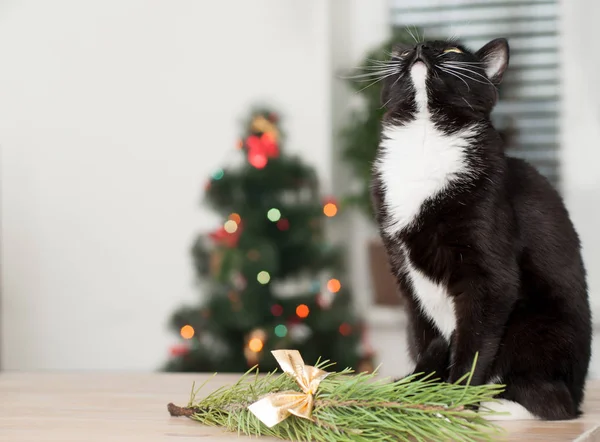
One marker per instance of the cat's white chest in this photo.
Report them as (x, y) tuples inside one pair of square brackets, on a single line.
[(433, 298), (416, 163)]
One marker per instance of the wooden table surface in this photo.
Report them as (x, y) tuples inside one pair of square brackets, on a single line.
[(133, 407)]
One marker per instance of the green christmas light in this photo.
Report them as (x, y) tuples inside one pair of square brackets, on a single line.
[(218, 174), (274, 215), (281, 331), (263, 277)]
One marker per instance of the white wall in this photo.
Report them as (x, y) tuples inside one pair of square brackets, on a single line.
[(580, 126), (357, 26), (112, 115)]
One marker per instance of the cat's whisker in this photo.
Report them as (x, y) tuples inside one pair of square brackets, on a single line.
[(386, 103), (378, 63), (487, 80), (462, 75), (411, 34), (374, 61), (365, 80), (455, 75), (370, 74), (378, 69), (375, 82), (474, 73), (373, 68), (416, 30), (397, 80), (468, 104), (465, 62)]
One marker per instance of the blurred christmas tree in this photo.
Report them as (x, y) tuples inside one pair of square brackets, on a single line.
[(269, 278)]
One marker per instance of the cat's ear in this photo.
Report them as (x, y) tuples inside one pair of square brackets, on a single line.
[(494, 56)]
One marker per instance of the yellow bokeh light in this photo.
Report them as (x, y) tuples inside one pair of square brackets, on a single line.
[(235, 217), (230, 226), (334, 285), (187, 332), (330, 209), (255, 345), (263, 277)]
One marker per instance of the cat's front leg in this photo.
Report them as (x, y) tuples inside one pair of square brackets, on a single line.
[(429, 349), (482, 313), (434, 361)]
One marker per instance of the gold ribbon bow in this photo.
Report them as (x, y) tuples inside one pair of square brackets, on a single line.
[(276, 407)]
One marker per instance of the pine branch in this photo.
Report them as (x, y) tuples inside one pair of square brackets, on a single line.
[(354, 408)]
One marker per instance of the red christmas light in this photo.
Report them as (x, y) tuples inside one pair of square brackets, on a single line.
[(345, 329), (222, 237), (276, 310), (179, 350), (257, 160), (283, 224)]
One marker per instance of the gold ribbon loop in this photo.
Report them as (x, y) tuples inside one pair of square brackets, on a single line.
[(276, 407)]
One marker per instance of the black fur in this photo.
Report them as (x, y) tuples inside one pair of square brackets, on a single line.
[(503, 244)]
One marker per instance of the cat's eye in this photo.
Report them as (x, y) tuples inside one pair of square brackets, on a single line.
[(405, 53), (456, 50)]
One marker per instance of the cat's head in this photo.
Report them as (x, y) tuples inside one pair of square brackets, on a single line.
[(455, 79)]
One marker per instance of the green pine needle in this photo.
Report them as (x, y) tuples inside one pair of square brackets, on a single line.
[(356, 407)]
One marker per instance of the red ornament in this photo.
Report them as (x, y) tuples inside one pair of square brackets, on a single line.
[(260, 149), (179, 350)]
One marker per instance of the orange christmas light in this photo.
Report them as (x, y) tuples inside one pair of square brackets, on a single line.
[(330, 209), (334, 285), (302, 311), (255, 345), (187, 332), (235, 218)]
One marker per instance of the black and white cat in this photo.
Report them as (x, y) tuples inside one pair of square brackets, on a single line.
[(481, 243)]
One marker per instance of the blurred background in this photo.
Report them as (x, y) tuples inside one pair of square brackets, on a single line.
[(183, 184)]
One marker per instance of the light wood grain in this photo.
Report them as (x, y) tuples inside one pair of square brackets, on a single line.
[(133, 407)]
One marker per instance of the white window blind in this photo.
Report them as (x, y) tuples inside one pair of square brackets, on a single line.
[(527, 113)]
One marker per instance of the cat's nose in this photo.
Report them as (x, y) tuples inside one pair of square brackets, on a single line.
[(421, 47)]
